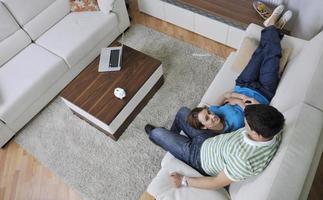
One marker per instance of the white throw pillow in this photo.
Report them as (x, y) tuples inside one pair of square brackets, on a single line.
[(105, 5)]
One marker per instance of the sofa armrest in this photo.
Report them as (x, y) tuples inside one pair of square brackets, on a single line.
[(254, 31), (161, 187), (5, 133), (120, 9)]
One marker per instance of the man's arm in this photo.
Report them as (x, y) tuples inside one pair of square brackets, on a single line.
[(222, 98), (216, 182)]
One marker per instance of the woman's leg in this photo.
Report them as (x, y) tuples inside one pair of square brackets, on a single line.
[(250, 73), (180, 146), (261, 73), (268, 76)]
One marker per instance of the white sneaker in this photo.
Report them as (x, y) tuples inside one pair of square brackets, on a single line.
[(284, 19), (274, 16)]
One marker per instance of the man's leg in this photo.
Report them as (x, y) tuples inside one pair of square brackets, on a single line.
[(180, 146), (180, 124)]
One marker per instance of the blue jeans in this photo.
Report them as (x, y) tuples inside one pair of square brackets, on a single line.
[(261, 73), (186, 148)]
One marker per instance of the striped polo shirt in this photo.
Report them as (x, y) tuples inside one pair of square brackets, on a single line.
[(237, 155)]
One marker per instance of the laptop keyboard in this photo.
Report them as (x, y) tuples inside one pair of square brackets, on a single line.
[(114, 58)]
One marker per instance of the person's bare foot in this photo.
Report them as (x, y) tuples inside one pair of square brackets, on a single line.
[(274, 16)]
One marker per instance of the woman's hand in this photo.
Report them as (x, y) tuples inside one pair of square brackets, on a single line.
[(239, 96), (227, 95)]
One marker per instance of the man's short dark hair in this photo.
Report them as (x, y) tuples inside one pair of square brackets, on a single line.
[(266, 120)]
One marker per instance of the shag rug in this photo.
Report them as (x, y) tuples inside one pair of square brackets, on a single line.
[(95, 165)]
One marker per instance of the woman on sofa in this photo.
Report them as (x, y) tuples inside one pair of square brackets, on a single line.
[(256, 84)]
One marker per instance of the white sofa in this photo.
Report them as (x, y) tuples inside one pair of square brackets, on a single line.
[(43, 46), (300, 98)]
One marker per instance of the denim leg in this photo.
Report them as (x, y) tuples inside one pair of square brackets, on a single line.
[(261, 73), (176, 144), (250, 73), (268, 76), (180, 146), (180, 124)]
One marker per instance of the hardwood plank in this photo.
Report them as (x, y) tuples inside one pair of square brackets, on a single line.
[(240, 12), (22, 177)]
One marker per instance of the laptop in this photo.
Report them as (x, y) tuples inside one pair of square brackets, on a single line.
[(110, 59)]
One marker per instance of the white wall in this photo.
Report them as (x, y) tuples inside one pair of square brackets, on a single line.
[(307, 18)]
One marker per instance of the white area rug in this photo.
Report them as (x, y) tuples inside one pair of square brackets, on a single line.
[(95, 165)]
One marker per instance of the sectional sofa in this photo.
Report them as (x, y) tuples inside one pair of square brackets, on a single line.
[(300, 98), (43, 46)]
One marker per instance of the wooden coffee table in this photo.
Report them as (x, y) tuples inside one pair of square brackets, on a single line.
[(90, 94)]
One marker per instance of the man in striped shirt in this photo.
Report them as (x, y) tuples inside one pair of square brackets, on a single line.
[(228, 157)]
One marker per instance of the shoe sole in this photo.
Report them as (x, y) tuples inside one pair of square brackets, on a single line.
[(279, 12)]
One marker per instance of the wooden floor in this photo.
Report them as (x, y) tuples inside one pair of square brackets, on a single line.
[(23, 177)]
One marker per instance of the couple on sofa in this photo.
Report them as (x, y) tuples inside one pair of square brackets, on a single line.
[(240, 152)]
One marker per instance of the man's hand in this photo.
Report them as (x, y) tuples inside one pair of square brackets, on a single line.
[(249, 101), (176, 179), (233, 101), (206, 182)]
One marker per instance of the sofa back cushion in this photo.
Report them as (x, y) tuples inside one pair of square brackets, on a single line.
[(285, 176), (314, 95), (224, 81), (37, 16), (12, 38), (8, 25), (302, 79)]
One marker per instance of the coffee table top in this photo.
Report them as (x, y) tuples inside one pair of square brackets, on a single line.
[(93, 91)]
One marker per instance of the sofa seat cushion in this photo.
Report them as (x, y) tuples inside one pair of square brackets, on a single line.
[(161, 187), (12, 45), (77, 34), (26, 77)]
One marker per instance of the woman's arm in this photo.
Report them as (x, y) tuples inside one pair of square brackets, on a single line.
[(239, 96), (221, 100), (236, 101)]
